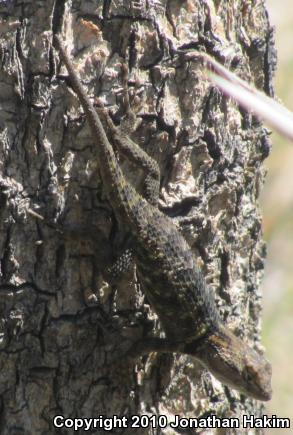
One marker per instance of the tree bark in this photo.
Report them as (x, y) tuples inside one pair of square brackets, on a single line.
[(64, 329)]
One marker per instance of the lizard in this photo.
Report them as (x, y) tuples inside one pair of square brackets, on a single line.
[(168, 273)]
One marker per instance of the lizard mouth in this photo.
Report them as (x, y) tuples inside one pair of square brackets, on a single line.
[(234, 363), (255, 393), (265, 396)]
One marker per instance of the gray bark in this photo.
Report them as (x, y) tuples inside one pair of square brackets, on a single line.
[(64, 329)]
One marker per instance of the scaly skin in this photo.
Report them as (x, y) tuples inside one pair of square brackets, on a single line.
[(173, 283)]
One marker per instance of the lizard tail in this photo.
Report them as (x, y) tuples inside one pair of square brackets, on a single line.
[(120, 193)]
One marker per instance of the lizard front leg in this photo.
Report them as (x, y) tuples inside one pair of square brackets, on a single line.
[(227, 357)]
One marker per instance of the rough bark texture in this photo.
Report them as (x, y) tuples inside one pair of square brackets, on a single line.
[(64, 330)]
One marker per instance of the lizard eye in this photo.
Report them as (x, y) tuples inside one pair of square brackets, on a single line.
[(249, 375)]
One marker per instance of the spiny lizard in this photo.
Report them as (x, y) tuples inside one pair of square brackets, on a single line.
[(167, 270)]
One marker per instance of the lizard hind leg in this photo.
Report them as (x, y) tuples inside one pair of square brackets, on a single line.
[(136, 155), (123, 264), (128, 148)]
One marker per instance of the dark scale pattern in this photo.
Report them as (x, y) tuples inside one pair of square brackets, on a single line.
[(172, 280), (170, 277), (121, 265)]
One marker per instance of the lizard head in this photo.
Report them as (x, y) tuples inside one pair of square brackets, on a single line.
[(236, 364)]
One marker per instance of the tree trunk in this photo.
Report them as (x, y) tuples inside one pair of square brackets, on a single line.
[(64, 329)]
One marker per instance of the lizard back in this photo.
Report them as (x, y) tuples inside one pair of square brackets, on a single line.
[(170, 276)]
